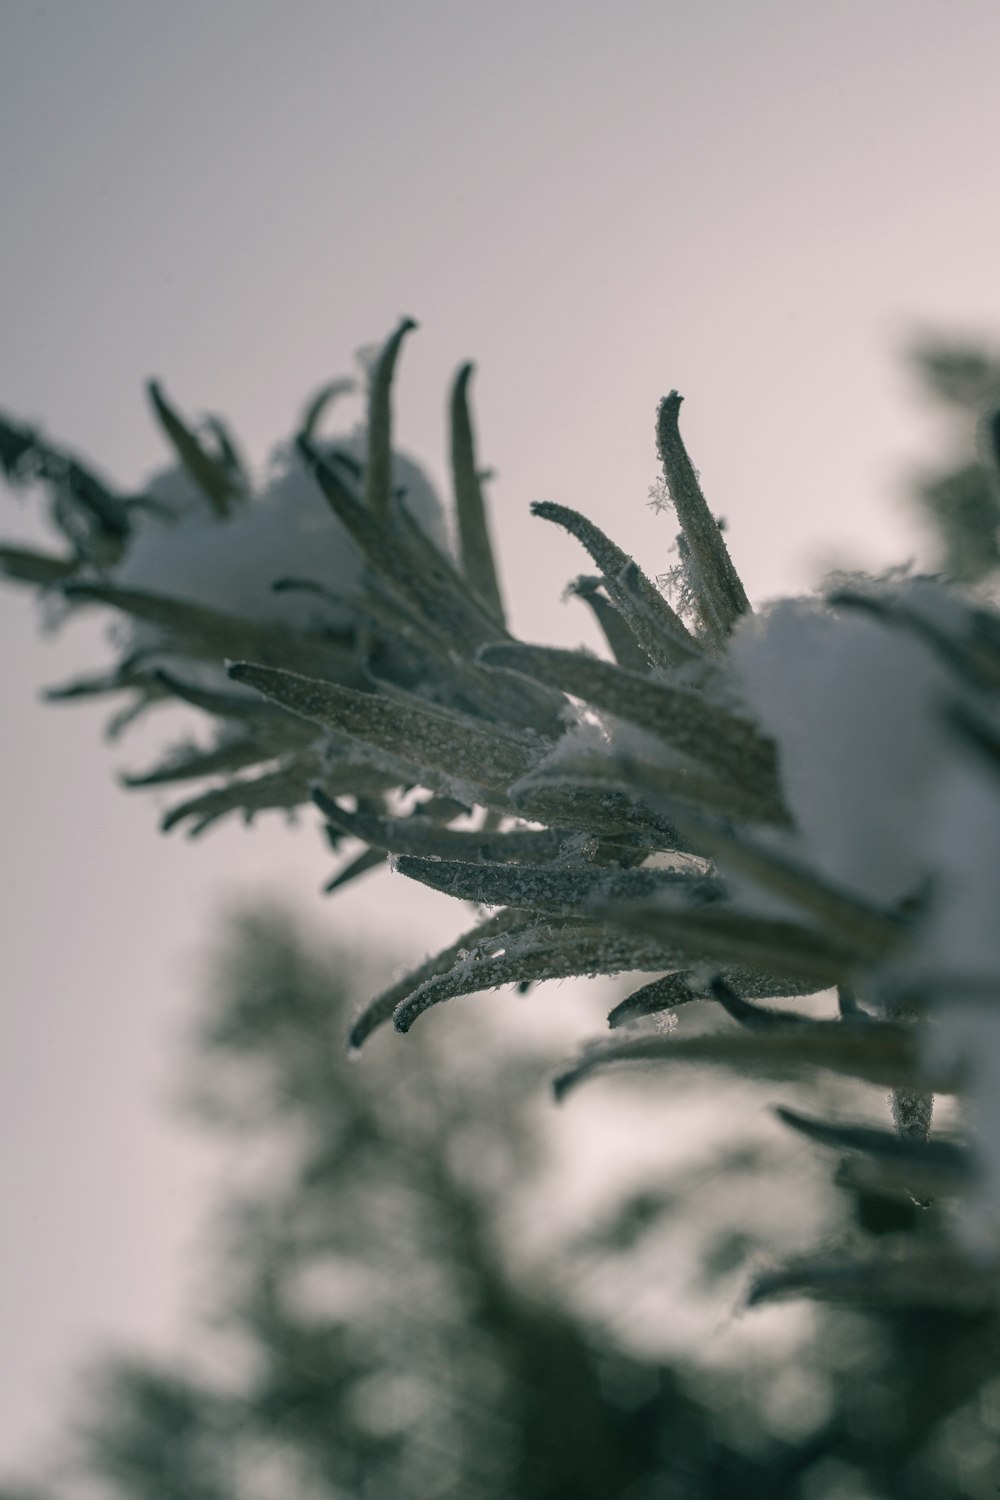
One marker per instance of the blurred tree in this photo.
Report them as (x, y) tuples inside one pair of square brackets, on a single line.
[(383, 1345), (372, 1335), (961, 497)]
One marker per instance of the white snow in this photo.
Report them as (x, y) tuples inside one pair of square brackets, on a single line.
[(855, 708), (284, 529), (890, 803)]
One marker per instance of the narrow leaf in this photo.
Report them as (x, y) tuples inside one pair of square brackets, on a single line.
[(976, 654), (945, 1157), (478, 562), (419, 835), (378, 471), (660, 632), (225, 705), (215, 635), (678, 989), (580, 808), (686, 719), (721, 596), (663, 787), (559, 950), (233, 755), (753, 1017), (848, 1005), (658, 995), (318, 404), (445, 751), (725, 935), (228, 450), (23, 565), (107, 510), (899, 1273), (440, 574), (18, 447), (863, 926), (287, 786), (88, 687), (419, 579), (877, 1053), (210, 474), (978, 734), (439, 670), (559, 891), (624, 647), (378, 1011), (368, 859), (126, 716)]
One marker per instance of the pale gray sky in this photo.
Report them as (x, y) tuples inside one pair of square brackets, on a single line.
[(754, 202)]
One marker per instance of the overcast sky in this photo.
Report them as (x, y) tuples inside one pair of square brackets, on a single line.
[(755, 201)]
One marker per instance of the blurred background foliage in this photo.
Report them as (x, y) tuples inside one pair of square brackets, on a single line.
[(376, 1329), (959, 496)]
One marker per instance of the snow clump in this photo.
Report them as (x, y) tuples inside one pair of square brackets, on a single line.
[(891, 803), (285, 529)]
